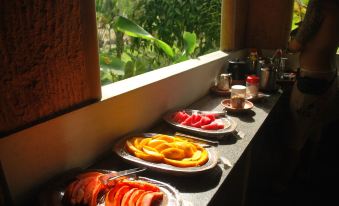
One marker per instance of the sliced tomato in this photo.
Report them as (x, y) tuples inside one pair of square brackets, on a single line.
[(135, 196), (127, 196), (141, 185), (150, 198)]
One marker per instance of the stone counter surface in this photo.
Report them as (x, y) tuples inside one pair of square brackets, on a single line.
[(221, 185)]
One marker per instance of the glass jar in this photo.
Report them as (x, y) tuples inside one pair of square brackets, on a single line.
[(252, 86), (238, 95)]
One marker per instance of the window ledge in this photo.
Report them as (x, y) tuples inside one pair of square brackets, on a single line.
[(141, 80)]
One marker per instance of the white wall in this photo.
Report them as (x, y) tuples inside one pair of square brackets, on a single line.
[(76, 139)]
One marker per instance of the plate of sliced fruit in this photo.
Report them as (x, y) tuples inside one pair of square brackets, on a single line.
[(101, 188), (166, 153), (206, 123)]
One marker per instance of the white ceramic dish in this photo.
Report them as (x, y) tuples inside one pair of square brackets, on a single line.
[(227, 104)]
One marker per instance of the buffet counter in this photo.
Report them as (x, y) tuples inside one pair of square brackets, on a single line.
[(227, 182)]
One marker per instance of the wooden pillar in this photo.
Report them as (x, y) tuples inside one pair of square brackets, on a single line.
[(268, 23), (48, 60), (263, 24)]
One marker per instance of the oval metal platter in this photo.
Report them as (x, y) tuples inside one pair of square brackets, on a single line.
[(119, 149), (53, 193), (229, 124)]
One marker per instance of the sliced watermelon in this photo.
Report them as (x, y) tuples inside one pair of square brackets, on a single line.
[(212, 126), (211, 116), (187, 121), (180, 116), (195, 118)]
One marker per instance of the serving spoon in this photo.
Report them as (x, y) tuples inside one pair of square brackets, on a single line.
[(112, 176)]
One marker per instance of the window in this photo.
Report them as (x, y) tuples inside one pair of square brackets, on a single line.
[(180, 30), (299, 11)]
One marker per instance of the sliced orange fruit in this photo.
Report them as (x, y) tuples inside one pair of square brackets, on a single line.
[(173, 153), (155, 142), (162, 147), (148, 157), (131, 148), (153, 152), (143, 142), (164, 137)]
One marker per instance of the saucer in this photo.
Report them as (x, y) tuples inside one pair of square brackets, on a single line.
[(215, 90), (259, 96), (227, 104)]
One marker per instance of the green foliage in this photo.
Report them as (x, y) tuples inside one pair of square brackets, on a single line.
[(130, 28), (299, 11), (167, 19), (162, 32)]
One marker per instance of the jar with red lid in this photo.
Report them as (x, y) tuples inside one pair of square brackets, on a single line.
[(252, 86)]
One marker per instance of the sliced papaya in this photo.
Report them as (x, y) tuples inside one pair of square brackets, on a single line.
[(139, 201), (109, 198), (134, 197), (127, 196), (141, 185), (89, 174), (120, 194), (151, 198)]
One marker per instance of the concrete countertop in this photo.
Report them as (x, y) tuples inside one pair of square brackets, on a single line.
[(218, 184)]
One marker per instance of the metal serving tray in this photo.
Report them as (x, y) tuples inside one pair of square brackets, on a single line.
[(52, 194), (229, 124), (119, 149)]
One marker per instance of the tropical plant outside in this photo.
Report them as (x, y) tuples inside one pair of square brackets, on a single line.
[(299, 11), (142, 35)]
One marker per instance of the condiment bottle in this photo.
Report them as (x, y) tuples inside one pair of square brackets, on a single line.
[(252, 86), (238, 94)]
